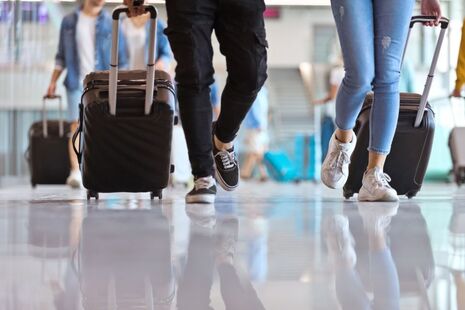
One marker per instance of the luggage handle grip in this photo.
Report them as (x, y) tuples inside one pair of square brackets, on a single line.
[(44, 115), (425, 18), (113, 76), (424, 97)]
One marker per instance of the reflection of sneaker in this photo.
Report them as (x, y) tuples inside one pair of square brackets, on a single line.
[(204, 191), (201, 215), (340, 241), (75, 179), (335, 169), (377, 216), (227, 231), (226, 167), (375, 187)]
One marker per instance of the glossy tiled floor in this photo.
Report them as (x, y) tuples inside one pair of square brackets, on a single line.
[(276, 247)]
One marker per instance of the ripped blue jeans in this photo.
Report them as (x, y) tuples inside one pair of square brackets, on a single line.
[(372, 34)]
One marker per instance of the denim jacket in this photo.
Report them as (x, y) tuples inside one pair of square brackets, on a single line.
[(67, 55)]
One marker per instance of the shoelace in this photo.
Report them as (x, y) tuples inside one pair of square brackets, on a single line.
[(228, 159), (202, 183), (382, 179), (340, 159)]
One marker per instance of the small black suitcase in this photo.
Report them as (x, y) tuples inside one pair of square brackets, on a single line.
[(47, 154), (126, 125), (411, 147)]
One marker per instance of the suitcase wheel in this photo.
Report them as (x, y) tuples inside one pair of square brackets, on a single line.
[(92, 194), (410, 195), (34, 185), (348, 194), (158, 194)]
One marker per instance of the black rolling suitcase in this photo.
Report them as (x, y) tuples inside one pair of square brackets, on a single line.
[(411, 147), (47, 154), (126, 124)]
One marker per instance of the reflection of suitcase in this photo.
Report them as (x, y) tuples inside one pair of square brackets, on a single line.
[(411, 147), (47, 153), (280, 167), (457, 151), (126, 126), (128, 267)]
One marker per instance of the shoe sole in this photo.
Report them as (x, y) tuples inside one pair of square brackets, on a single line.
[(368, 198), (222, 183), (74, 184), (200, 199)]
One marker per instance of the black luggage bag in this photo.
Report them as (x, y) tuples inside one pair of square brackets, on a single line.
[(411, 147), (126, 125), (47, 154)]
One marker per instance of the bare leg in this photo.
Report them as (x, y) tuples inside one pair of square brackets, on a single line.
[(344, 136), (376, 160), (72, 156)]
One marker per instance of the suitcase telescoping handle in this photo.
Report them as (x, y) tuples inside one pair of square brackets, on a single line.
[(113, 80), (44, 115), (424, 97)]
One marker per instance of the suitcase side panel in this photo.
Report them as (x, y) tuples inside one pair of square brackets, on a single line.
[(48, 157), (126, 154)]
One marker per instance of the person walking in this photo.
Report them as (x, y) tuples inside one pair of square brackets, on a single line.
[(84, 44), (239, 27), (372, 34)]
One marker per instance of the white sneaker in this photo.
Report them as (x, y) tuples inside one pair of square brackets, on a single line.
[(75, 179), (335, 169), (340, 242), (377, 216), (375, 187)]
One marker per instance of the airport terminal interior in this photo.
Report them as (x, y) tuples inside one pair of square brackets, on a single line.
[(281, 241)]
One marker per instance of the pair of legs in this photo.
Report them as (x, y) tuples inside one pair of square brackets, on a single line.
[(372, 34), (350, 289), (239, 27)]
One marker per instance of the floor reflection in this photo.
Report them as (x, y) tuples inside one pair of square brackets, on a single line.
[(254, 250), (380, 252)]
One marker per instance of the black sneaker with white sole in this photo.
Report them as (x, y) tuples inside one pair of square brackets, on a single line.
[(226, 168), (204, 191)]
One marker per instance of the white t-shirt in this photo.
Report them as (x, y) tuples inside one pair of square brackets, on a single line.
[(136, 41), (85, 38)]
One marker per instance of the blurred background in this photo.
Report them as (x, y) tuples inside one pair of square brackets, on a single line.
[(303, 53)]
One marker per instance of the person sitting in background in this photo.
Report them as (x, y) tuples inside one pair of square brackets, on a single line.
[(135, 30), (84, 45), (457, 92), (256, 137)]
